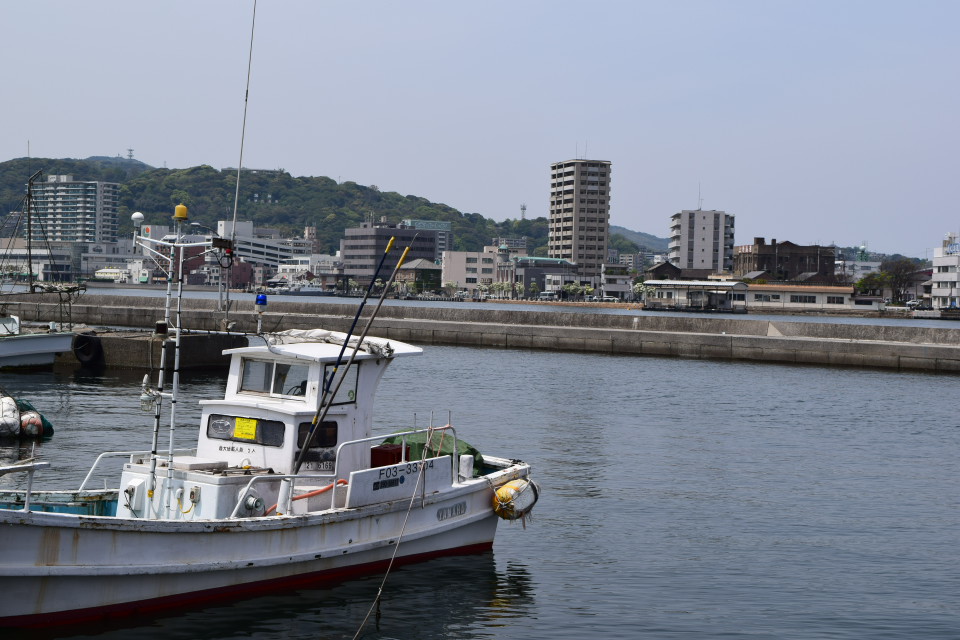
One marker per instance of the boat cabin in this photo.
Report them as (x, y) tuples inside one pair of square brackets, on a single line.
[(273, 395)]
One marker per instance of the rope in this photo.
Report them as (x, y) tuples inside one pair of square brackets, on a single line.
[(396, 548)]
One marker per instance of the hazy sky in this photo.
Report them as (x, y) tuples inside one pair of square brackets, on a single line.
[(811, 121)]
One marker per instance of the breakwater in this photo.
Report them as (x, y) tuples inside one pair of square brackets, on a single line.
[(861, 345)]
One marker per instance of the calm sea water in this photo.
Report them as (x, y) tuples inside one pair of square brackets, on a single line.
[(681, 499)]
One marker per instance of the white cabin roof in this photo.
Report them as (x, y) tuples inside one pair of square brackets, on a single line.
[(322, 346)]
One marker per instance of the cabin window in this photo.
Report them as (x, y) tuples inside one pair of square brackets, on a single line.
[(326, 434), (290, 379), (274, 378), (323, 446), (240, 429), (347, 393)]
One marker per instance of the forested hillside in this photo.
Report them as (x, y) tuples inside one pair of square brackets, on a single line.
[(269, 198)]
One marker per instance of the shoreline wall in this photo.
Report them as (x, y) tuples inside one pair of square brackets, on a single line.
[(694, 336)]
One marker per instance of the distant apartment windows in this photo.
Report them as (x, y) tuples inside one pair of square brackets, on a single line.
[(766, 297), (471, 260), (834, 299), (803, 299)]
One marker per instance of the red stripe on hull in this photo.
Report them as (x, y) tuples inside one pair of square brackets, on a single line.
[(198, 599)]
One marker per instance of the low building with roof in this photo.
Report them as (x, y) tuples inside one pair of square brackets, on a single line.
[(696, 295), (738, 296), (419, 276)]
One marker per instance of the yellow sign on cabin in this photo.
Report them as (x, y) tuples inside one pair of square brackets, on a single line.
[(245, 428)]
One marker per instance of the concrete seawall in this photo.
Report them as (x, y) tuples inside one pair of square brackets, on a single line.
[(695, 336)]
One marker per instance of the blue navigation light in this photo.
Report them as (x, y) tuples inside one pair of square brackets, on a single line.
[(261, 299)]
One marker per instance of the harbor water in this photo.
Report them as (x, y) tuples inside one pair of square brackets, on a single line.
[(680, 499)]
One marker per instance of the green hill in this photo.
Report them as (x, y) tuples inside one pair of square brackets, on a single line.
[(642, 240), (268, 198)]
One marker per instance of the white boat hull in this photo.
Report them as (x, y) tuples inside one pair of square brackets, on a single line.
[(59, 568), (33, 349)]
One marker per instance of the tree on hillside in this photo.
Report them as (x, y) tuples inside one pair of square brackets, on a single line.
[(621, 244)]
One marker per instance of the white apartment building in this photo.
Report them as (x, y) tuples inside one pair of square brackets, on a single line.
[(702, 240), (69, 210), (580, 215), (945, 286)]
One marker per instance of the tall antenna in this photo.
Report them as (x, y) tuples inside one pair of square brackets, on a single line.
[(699, 199), (523, 211), (129, 154)]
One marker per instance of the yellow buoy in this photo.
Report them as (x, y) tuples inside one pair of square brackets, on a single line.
[(515, 499)]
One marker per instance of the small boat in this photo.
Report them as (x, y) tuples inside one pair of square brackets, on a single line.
[(309, 290), (285, 485), (20, 348)]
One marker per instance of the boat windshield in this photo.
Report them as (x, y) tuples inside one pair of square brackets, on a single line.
[(274, 378)]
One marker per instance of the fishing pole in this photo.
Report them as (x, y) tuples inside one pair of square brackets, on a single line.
[(328, 398), (343, 348)]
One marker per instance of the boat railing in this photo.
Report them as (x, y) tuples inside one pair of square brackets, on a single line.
[(292, 478), (119, 454), (29, 468), (334, 475), (403, 446)]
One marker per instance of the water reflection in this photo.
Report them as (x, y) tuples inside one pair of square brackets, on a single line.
[(455, 597)]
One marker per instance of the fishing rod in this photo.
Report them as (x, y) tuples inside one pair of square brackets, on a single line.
[(328, 397), (343, 348)]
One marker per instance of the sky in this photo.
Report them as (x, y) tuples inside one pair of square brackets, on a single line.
[(814, 121)]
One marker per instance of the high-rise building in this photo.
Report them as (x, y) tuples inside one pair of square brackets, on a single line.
[(580, 214), (75, 211), (702, 240)]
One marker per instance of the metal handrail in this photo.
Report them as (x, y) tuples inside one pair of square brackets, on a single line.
[(334, 475), (30, 469), (280, 478), (117, 454)]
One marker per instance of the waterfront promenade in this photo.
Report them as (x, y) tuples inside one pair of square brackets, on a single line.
[(695, 336)]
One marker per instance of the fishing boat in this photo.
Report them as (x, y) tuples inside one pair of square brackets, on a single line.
[(285, 485)]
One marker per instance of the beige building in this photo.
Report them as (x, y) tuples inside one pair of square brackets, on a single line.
[(467, 270), (580, 215)]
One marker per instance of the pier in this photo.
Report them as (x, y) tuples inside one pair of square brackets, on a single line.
[(858, 345)]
